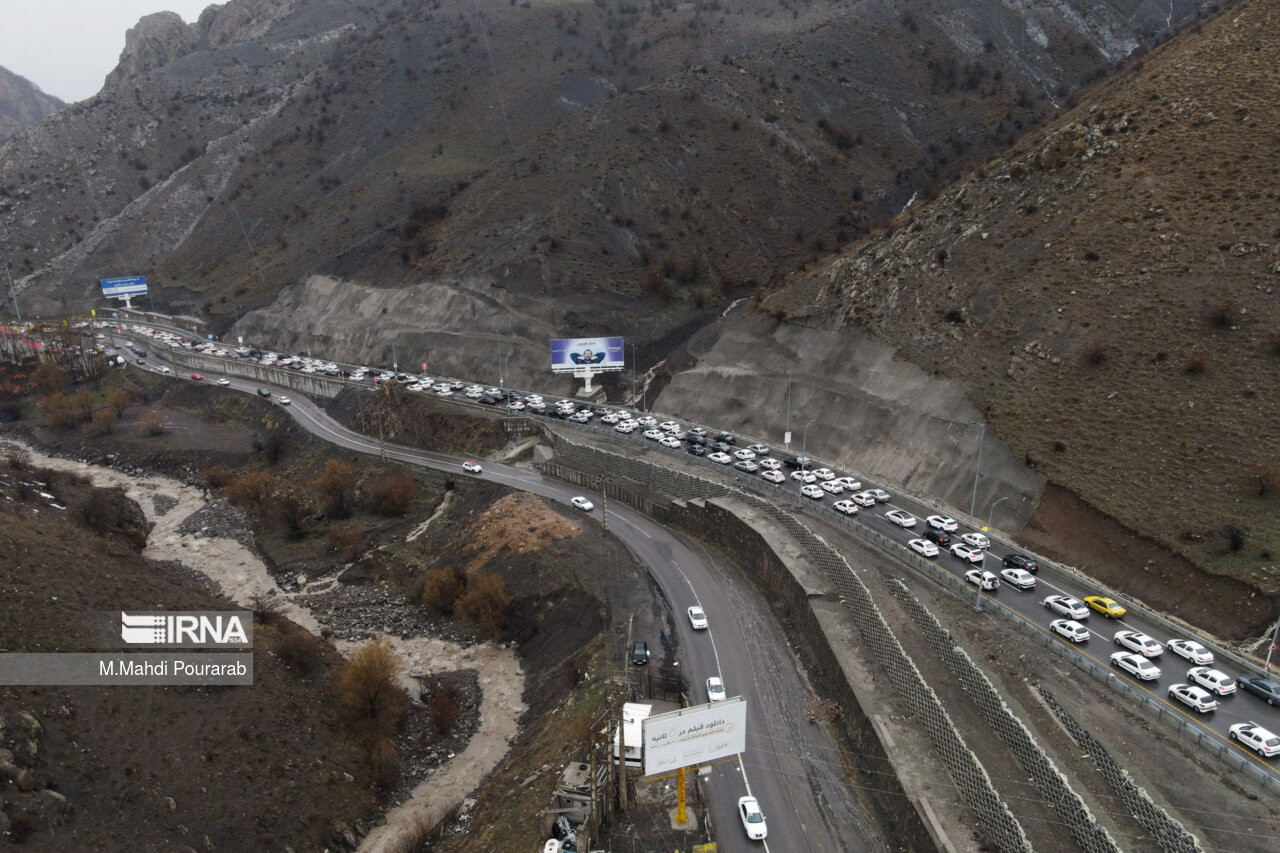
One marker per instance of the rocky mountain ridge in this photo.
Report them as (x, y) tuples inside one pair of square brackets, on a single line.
[(22, 104)]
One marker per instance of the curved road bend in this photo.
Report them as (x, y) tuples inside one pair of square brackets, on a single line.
[(794, 768)]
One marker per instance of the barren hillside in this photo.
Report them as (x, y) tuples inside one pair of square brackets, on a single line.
[(619, 156), (22, 104), (1107, 294)]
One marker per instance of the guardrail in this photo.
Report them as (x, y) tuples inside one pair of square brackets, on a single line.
[(920, 506)]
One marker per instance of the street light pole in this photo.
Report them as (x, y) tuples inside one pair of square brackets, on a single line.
[(787, 435), (804, 465), (13, 294), (978, 470), (992, 514), (633, 373)]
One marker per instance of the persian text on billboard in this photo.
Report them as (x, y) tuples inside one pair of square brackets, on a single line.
[(695, 735), (568, 354), (123, 286)]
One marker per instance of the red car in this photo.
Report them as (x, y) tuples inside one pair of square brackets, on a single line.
[(197, 376)]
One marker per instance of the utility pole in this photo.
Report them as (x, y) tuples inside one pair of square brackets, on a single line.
[(13, 294), (973, 503), (622, 761)]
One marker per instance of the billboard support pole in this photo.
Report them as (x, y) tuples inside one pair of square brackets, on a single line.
[(682, 816)]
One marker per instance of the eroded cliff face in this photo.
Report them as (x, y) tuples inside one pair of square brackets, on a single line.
[(22, 104), (873, 412)]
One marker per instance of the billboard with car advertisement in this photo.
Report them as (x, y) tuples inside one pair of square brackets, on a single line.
[(598, 354), (694, 735)]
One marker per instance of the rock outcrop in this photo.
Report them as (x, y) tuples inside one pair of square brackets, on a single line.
[(22, 104)]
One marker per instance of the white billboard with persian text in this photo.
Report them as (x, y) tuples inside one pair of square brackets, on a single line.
[(695, 735)]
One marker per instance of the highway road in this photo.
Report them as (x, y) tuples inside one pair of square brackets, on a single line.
[(1240, 707), (793, 767)]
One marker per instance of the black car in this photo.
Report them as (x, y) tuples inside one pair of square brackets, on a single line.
[(1017, 561), (719, 447), (640, 653), (798, 462), (694, 438), (941, 538), (697, 449), (263, 392), (727, 438), (489, 400), (1263, 688)]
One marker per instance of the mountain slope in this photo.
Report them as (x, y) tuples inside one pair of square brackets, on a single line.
[(22, 104), (666, 153), (1107, 294)]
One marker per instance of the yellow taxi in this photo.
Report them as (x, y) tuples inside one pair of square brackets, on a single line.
[(1108, 607)]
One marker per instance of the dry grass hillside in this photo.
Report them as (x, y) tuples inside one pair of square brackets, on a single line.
[(1108, 294)]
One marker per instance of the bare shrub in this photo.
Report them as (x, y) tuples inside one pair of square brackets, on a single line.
[(1224, 314), (367, 685), (391, 494), (1195, 364), (292, 506), (384, 764), (267, 609), (102, 510), (300, 651), (253, 490), (120, 399), (1263, 477), (57, 410), (347, 541), (218, 476), (445, 711), (442, 589), (1096, 355), (17, 458), (83, 403), (49, 378), (485, 603), (336, 487), (102, 423), (153, 423)]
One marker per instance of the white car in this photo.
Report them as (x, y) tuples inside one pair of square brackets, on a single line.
[(668, 426), (1214, 680), (471, 467), (715, 689), (901, 517), (923, 547), (811, 491), (583, 504), (1019, 578), (722, 458), (443, 391), (752, 818), (1067, 606), (284, 401), (1191, 650), (1136, 665), (647, 421), (846, 506), (759, 449), (831, 487), (743, 454), (880, 495), (1135, 641), (804, 476), (224, 381), (977, 540), (982, 580), (1255, 737), (1071, 629), (773, 476), (771, 464), (964, 552), (654, 434), (697, 618), (611, 419), (864, 499), (824, 473), (747, 465), (625, 427), (669, 441), (1193, 697), (848, 483), (943, 522)]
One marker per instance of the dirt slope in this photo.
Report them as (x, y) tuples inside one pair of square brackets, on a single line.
[(1107, 294)]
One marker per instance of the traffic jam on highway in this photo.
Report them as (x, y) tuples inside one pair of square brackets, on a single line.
[(1175, 669)]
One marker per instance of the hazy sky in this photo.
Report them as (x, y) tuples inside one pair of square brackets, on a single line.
[(67, 47)]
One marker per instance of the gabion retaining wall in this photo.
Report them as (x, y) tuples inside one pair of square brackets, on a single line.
[(1166, 831), (966, 771)]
